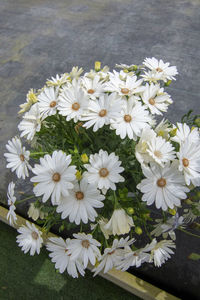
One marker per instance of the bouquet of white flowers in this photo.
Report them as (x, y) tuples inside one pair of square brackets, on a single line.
[(99, 163)]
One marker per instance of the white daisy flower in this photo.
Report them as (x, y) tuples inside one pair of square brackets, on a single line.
[(80, 203), (162, 252), (151, 76), (11, 216), (112, 256), (48, 101), (189, 158), (30, 238), (17, 158), (156, 99), (73, 102), (184, 132), (163, 129), (54, 177), (31, 122), (164, 186), (35, 212), (62, 258), (102, 222), (162, 70), (59, 80), (101, 111), (31, 99), (127, 87), (141, 148), (84, 248), (160, 150), (120, 222), (134, 118), (104, 170), (126, 67), (93, 87), (103, 74)]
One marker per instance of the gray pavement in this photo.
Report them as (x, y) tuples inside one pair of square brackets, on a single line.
[(41, 38)]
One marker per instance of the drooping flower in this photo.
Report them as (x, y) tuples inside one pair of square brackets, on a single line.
[(164, 186), (104, 170), (162, 252), (134, 118), (30, 238), (73, 102), (189, 158), (59, 80), (48, 101), (31, 99), (84, 248), (62, 258), (156, 99), (101, 111), (31, 122), (17, 158), (162, 70), (102, 222), (54, 177), (11, 216), (75, 73), (112, 256), (120, 222), (80, 203), (35, 212)]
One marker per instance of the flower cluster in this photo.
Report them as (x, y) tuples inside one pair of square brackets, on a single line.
[(100, 164)]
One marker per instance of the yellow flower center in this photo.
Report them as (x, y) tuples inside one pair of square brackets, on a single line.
[(110, 253), (159, 70), (103, 172), (79, 195), (91, 91), (152, 101), (56, 177), (102, 113), (53, 104), (34, 235), (158, 154), (185, 162), (85, 244), (22, 158), (75, 106), (125, 91), (127, 118), (161, 182)]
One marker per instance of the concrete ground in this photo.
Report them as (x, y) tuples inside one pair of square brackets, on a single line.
[(41, 38)]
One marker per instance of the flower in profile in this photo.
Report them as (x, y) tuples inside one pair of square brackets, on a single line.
[(11, 216), (189, 158), (164, 186), (73, 102), (184, 132), (84, 248), (75, 73), (62, 258), (30, 238), (54, 177), (156, 99), (101, 111), (31, 122), (31, 99), (134, 118), (48, 101), (59, 80), (93, 87), (162, 70), (112, 256), (102, 222), (120, 222), (162, 252), (163, 129), (80, 203), (104, 170), (17, 158)]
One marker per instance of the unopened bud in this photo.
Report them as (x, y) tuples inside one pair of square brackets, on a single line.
[(138, 230)]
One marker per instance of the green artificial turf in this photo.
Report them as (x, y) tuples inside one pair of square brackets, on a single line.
[(24, 277)]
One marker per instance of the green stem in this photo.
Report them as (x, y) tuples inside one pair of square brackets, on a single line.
[(37, 153), (20, 201), (192, 234)]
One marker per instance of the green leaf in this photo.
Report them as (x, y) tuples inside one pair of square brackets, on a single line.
[(194, 256)]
